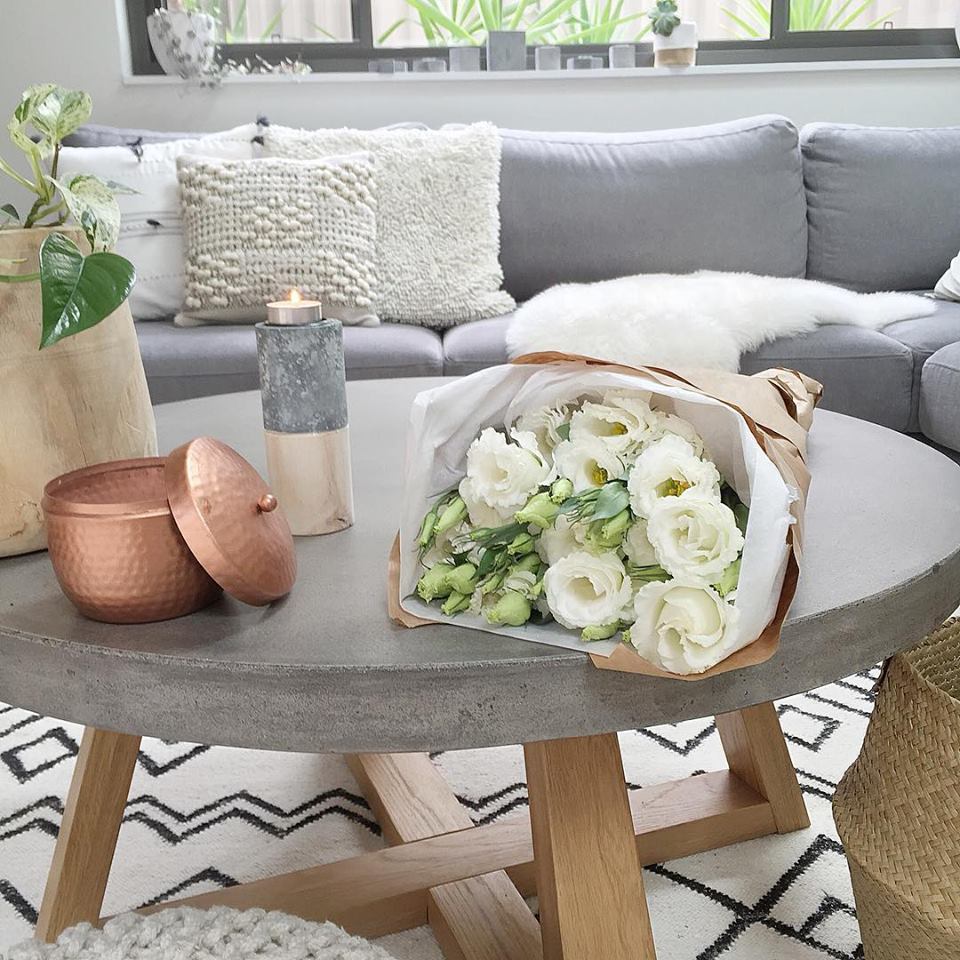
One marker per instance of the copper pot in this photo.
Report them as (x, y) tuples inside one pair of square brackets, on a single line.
[(115, 547), (132, 541)]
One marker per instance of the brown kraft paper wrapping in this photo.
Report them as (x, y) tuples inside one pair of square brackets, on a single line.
[(777, 406)]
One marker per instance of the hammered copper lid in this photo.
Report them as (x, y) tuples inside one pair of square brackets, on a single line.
[(230, 520)]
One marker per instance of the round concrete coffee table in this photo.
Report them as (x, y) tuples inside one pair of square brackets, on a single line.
[(326, 671)]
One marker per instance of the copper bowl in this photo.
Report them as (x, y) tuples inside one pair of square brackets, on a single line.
[(115, 547)]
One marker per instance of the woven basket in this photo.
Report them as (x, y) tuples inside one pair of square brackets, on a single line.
[(898, 808)]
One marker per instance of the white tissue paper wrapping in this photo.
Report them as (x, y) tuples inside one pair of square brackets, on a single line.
[(446, 420)]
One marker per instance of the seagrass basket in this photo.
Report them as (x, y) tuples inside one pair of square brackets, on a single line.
[(897, 808)]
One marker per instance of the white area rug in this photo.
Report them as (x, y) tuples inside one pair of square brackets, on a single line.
[(206, 817)]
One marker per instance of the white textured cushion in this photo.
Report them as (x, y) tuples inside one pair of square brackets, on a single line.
[(151, 236), (438, 220), (948, 286), (253, 229)]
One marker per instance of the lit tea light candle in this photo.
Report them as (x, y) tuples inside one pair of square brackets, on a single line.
[(294, 311)]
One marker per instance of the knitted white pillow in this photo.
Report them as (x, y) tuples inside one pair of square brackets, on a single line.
[(948, 286), (151, 235), (254, 229), (438, 218)]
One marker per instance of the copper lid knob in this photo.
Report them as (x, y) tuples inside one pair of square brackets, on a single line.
[(267, 503)]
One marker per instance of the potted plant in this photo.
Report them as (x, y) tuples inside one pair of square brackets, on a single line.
[(67, 400), (184, 39), (674, 40)]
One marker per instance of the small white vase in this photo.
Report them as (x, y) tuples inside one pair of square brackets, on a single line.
[(677, 50), (185, 44)]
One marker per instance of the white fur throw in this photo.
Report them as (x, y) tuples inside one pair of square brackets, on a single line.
[(438, 217), (254, 229), (698, 320)]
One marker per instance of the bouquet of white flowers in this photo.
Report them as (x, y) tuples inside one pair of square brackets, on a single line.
[(586, 511)]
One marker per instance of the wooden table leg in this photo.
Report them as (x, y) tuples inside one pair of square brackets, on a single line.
[(592, 903), (757, 753), (88, 832), (479, 918)]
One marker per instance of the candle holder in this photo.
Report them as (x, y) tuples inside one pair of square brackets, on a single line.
[(303, 389)]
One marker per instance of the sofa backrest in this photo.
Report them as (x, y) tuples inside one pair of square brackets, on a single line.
[(883, 204), (590, 206)]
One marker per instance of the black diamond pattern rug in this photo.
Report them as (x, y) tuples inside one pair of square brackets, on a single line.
[(201, 817)]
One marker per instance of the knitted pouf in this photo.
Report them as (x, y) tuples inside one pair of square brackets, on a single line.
[(218, 934)]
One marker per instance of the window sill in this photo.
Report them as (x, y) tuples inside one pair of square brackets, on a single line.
[(831, 66)]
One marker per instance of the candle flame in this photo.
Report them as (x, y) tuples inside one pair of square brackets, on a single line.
[(296, 296)]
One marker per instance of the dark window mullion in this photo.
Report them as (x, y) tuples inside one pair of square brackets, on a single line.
[(362, 14), (779, 19)]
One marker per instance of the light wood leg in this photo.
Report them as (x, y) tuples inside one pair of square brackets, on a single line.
[(592, 902), (757, 753), (88, 832), (480, 918)]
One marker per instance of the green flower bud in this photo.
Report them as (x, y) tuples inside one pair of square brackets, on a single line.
[(608, 534), (434, 583), (729, 578), (512, 609), (521, 544), (425, 537), (561, 490), (454, 512), (604, 632), (540, 511), (528, 564), (455, 603), (493, 582), (626, 638), (463, 578)]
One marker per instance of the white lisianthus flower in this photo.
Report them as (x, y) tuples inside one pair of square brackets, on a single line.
[(561, 539), (637, 546), (587, 463), (624, 424), (670, 423), (501, 476), (695, 537), (545, 425), (636, 403), (585, 590), (683, 628), (667, 468)]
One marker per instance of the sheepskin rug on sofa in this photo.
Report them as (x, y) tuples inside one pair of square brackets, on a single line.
[(701, 319)]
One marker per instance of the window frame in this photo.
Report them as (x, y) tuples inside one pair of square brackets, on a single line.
[(783, 46)]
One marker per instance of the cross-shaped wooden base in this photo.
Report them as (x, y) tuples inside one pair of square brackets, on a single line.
[(580, 849)]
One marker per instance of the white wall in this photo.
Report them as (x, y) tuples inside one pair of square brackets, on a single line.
[(79, 44)]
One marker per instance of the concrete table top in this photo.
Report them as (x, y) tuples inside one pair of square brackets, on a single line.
[(325, 670)]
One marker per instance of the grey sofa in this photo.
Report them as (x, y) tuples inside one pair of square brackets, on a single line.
[(868, 208)]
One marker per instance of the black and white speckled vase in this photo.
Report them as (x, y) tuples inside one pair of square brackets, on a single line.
[(303, 389)]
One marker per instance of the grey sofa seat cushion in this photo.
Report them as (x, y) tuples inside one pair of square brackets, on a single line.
[(925, 336), (864, 373), (940, 397), (591, 206), (882, 204), (475, 346), (184, 362)]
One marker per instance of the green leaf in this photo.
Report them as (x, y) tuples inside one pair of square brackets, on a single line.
[(53, 112), (729, 579), (613, 499), (9, 212), (78, 292), (94, 207)]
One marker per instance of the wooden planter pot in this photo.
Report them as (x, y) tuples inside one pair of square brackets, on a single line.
[(82, 401)]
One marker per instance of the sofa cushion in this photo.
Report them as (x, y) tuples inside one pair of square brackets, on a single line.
[(591, 206), (184, 362), (940, 397), (925, 336), (882, 204), (864, 373), (100, 135)]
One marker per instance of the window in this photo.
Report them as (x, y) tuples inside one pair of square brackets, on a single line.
[(344, 35)]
